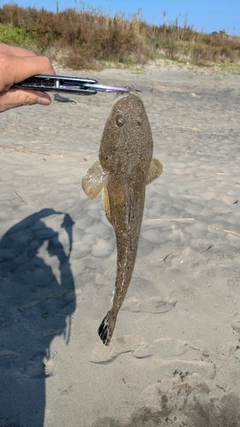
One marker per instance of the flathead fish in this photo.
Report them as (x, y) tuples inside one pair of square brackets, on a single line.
[(124, 168)]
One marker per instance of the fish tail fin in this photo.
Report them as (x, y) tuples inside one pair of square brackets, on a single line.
[(105, 330)]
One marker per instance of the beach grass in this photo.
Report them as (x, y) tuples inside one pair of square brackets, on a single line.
[(84, 37)]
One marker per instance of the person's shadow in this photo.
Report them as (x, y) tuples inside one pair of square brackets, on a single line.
[(37, 299)]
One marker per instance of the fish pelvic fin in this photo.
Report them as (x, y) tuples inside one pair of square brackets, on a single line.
[(105, 330), (93, 180), (106, 203), (155, 170)]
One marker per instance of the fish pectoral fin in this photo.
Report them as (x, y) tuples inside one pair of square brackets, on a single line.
[(93, 180), (106, 203), (155, 170)]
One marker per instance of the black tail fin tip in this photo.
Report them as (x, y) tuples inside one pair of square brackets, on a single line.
[(104, 330)]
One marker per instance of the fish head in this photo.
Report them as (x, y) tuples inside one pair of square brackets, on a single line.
[(127, 136)]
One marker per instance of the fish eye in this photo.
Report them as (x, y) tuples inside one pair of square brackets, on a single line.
[(139, 120), (120, 120)]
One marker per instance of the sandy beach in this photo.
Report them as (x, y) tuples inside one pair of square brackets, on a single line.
[(174, 358)]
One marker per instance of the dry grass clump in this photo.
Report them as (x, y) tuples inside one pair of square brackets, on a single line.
[(86, 38)]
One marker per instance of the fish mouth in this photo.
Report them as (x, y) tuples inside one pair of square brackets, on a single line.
[(121, 95)]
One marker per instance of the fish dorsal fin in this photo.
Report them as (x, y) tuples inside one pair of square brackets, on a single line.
[(155, 170), (93, 180)]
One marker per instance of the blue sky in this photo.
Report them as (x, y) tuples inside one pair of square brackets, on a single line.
[(203, 15)]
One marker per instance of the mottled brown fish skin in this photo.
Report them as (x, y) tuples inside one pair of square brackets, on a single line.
[(125, 152), (124, 169)]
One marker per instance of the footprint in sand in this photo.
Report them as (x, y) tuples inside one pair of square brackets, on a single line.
[(153, 305), (190, 402), (125, 344)]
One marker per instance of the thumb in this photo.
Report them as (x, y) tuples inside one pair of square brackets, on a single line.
[(18, 97)]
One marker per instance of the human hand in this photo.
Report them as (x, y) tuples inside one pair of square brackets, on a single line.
[(17, 64)]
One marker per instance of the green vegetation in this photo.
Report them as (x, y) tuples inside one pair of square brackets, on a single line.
[(87, 38), (20, 36)]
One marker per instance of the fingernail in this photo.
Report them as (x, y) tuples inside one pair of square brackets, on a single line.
[(44, 101)]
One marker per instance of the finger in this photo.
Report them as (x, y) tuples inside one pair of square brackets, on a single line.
[(18, 97), (24, 67), (15, 50), (20, 51), (14, 69)]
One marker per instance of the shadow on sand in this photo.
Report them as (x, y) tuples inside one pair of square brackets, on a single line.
[(36, 304)]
